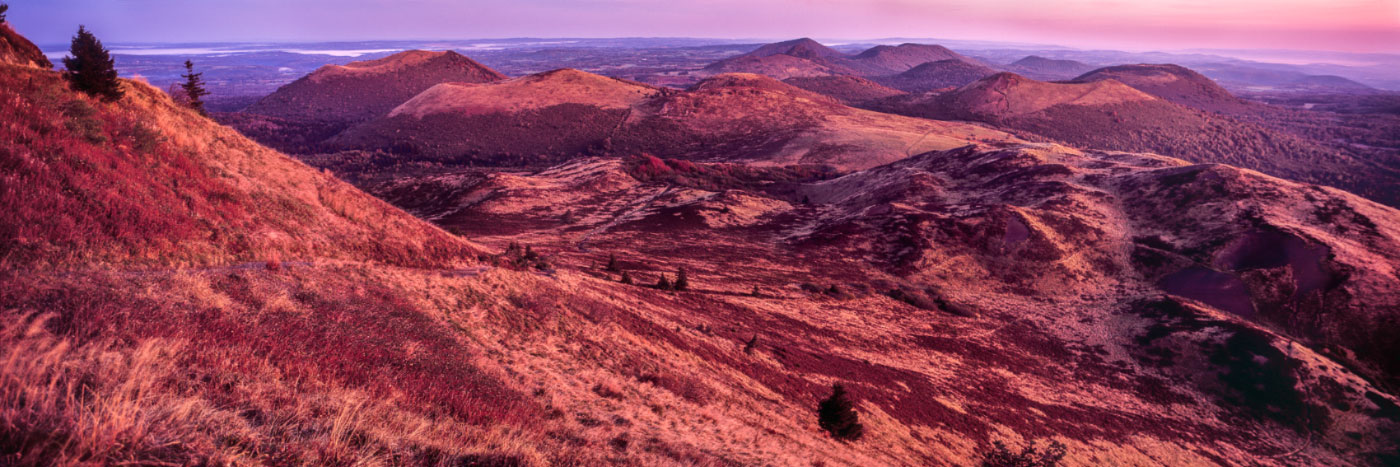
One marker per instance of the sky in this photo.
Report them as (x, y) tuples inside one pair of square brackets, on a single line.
[(1341, 25)]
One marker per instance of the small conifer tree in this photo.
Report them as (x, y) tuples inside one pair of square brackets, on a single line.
[(626, 278), (3, 9), (837, 415), (194, 88), (91, 69), (663, 283), (682, 281), (613, 265), (749, 346), (755, 292)]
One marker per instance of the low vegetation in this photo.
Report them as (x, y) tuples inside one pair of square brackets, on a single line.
[(837, 415), (1030, 456)]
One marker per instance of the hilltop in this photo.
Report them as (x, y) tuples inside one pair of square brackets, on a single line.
[(1007, 95), (937, 75), (1046, 69), (806, 58), (559, 115), (1175, 83), (367, 89), (887, 59)]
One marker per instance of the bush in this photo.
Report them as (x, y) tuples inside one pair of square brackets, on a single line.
[(1001, 456), (838, 416)]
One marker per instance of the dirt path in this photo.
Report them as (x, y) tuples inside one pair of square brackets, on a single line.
[(636, 207)]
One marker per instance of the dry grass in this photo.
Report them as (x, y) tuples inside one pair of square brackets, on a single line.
[(142, 181), (277, 379)]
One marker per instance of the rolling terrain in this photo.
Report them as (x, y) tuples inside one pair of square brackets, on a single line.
[(301, 114), (1105, 113), (551, 117), (961, 290), (806, 58), (175, 293)]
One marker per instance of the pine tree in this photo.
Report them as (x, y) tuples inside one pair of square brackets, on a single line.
[(749, 346), (613, 266), (755, 292), (3, 9), (91, 69), (663, 283), (626, 278), (838, 416), (194, 88), (682, 282)]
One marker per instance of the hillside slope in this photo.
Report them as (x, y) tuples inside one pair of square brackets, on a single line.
[(144, 181), (997, 293), (16, 49), (1107, 114), (851, 90), (1123, 304)]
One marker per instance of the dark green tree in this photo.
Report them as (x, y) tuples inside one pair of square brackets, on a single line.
[(91, 69), (682, 282), (194, 88), (613, 265), (837, 415), (3, 9), (663, 283)]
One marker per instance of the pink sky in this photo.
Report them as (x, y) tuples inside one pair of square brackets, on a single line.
[(1348, 25)]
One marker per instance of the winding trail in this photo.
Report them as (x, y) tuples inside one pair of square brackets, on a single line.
[(635, 208)]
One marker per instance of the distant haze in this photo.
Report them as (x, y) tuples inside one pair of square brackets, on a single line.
[(1343, 25)]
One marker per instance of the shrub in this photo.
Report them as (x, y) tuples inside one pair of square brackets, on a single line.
[(626, 278), (613, 265), (1001, 456), (838, 416), (749, 346)]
